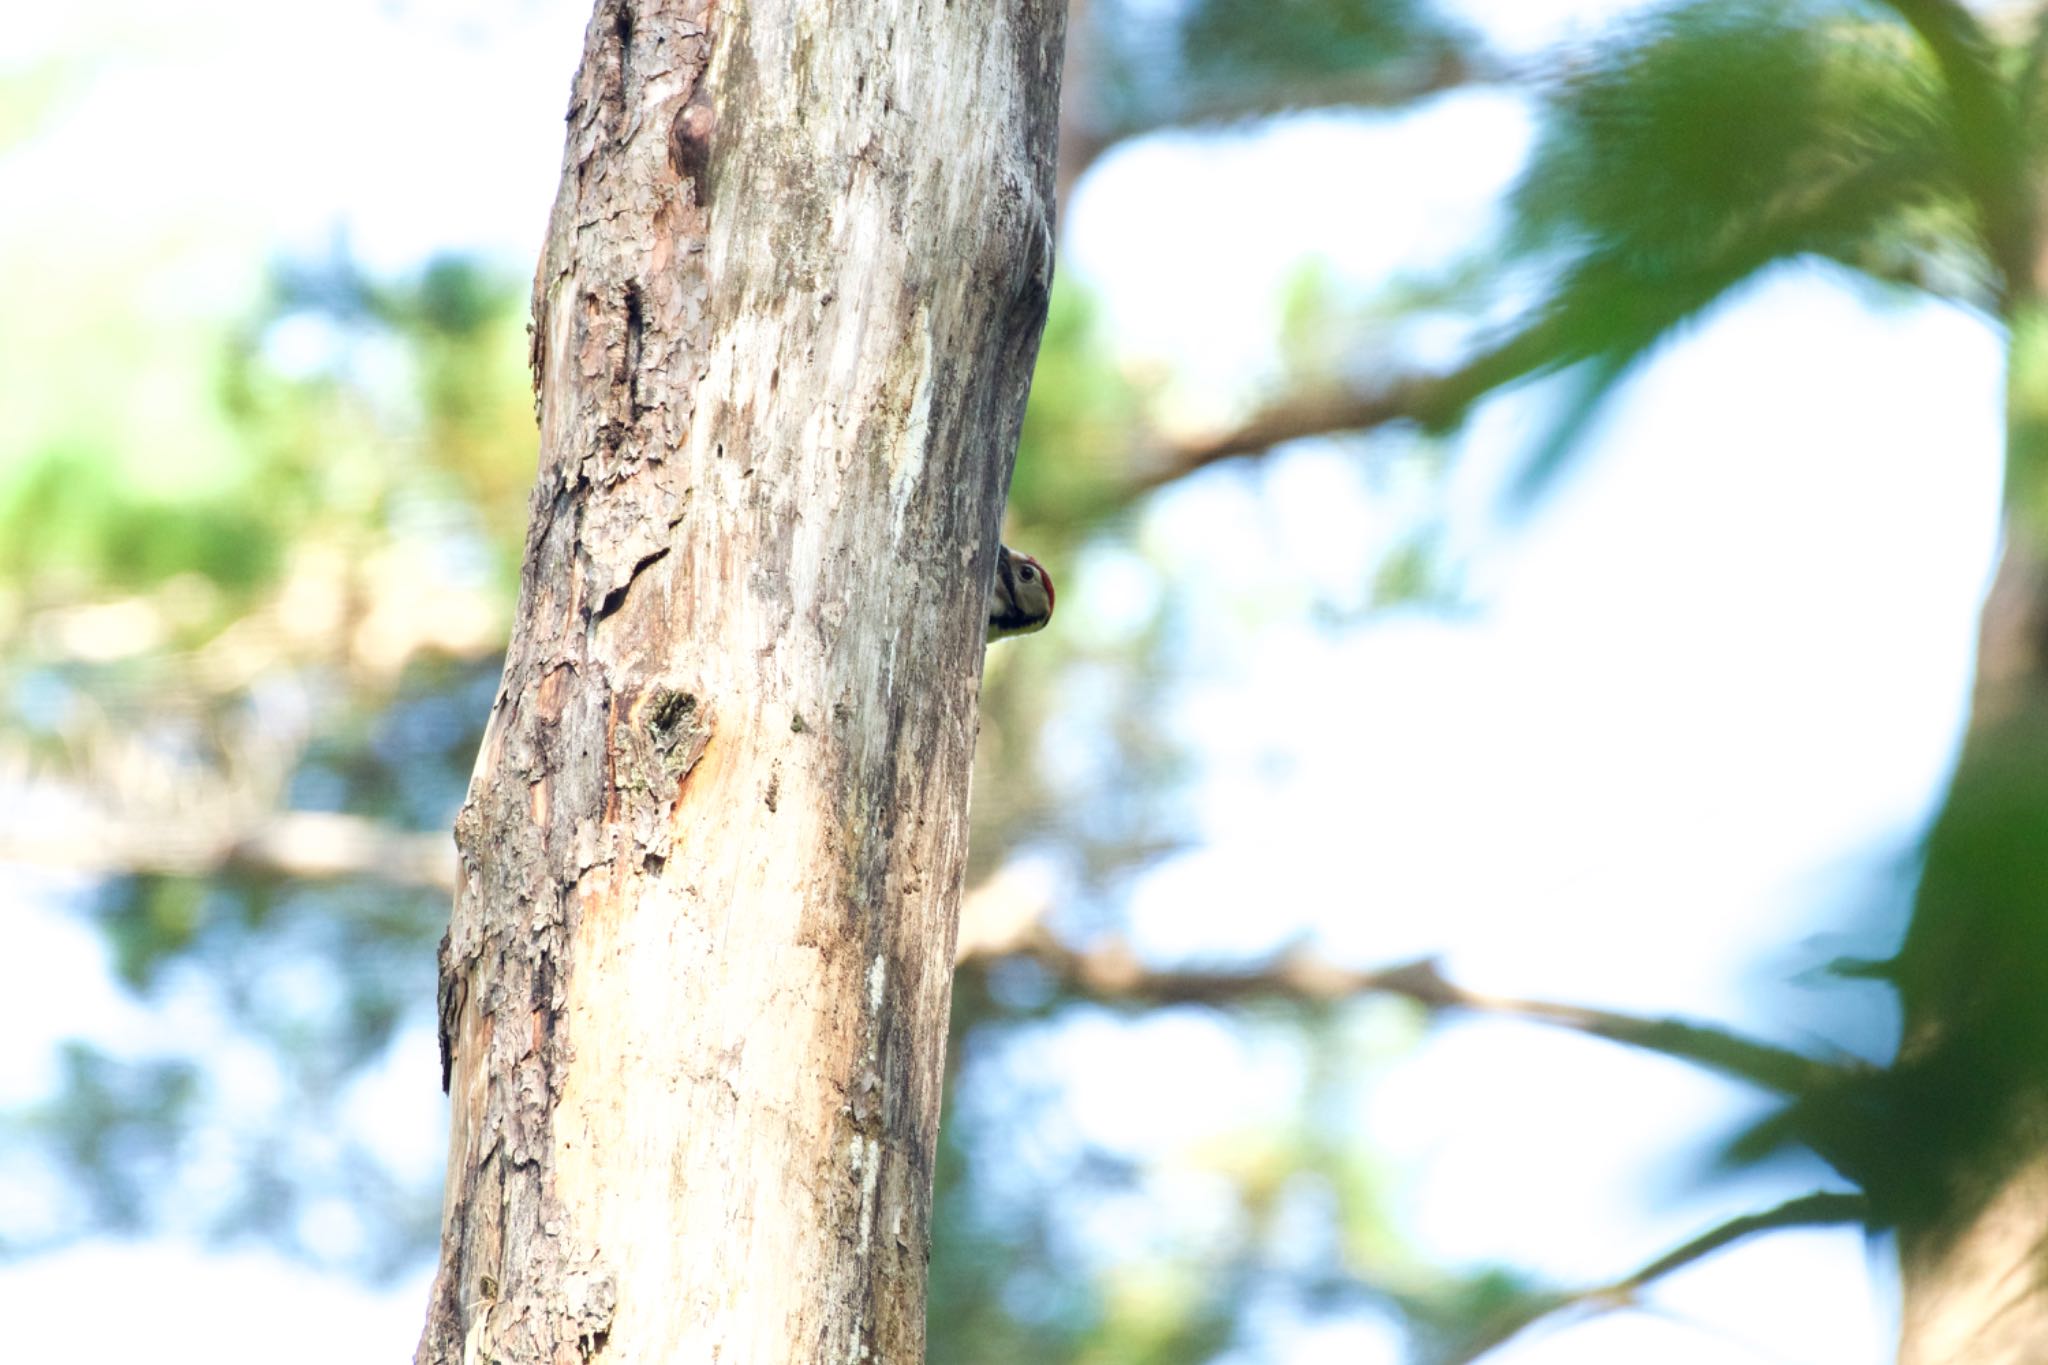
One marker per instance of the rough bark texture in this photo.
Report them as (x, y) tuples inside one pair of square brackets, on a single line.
[(694, 992)]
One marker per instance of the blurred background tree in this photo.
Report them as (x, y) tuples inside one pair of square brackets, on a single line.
[(1373, 314)]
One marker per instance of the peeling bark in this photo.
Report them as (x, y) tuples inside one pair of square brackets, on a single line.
[(694, 989)]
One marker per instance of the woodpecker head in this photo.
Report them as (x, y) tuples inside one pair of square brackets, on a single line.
[(1020, 599)]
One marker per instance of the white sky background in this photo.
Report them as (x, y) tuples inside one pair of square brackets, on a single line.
[(1715, 678)]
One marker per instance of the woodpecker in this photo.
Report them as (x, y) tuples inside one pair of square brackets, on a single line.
[(1020, 600)]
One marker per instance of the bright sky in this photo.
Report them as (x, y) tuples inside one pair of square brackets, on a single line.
[(1713, 683), (1712, 687)]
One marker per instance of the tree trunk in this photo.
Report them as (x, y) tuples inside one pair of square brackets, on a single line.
[(1969, 1118), (694, 991), (1965, 1130)]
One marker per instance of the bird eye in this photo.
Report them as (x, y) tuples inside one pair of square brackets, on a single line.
[(1026, 574)]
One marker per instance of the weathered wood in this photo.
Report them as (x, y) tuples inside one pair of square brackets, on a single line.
[(695, 986)]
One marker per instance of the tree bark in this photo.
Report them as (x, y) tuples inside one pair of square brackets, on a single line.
[(1968, 1105), (1969, 1111), (695, 986)]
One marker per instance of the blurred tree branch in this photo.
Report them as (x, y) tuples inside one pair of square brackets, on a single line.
[(1988, 135), (997, 922), (1084, 141), (1607, 310), (1821, 1208), (2027, 88), (990, 931), (294, 845), (1432, 401)]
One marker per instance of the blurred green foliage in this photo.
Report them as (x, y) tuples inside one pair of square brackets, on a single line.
[(1084, 415), (1716, 123), (1290, 42), (221, 583), (1205, 61), (71, 515), (1705, 142), (258, 551)]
